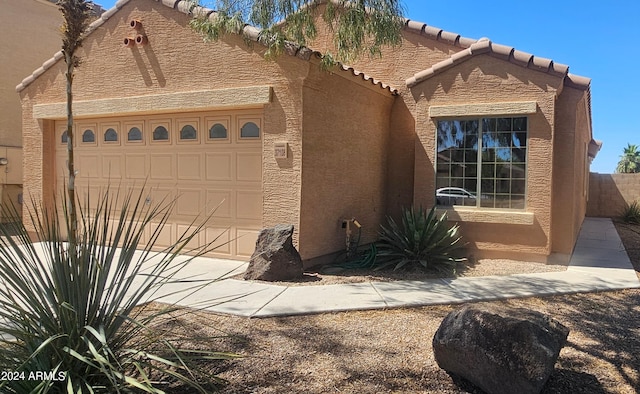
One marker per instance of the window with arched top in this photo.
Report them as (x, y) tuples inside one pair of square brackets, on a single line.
[(188, 132), (88, 136), (64, 138), (218, 131), (110, 135), (134, 134), (160, 133), (250, 130)]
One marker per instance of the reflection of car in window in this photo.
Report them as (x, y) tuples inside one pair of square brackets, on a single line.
[(455, 196)]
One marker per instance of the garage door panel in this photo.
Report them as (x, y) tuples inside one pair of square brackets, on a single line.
[(184, 231), (161, 195), (166, 234), (249, 204), (219, 237), (161, 166), (246, 241), (112, 166), (87, 165), (219, 166), (189, 166), (189, 202), (249, 166), (221, 202), (136, 165)]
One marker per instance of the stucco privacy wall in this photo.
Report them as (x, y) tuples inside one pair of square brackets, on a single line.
[(608, 193), (570, 170), (175, 60), (344, 160), (484, 80)]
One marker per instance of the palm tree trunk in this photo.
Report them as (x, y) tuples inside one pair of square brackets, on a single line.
[(71, 189)]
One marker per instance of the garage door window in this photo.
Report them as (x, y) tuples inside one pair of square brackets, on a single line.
[(188, 132), (88, 136), (250, 130), (218, 131), (134, 134), (160, 133), (65, 138), (110, 135)]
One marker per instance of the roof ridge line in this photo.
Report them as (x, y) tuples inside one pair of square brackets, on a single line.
[(504, 52)]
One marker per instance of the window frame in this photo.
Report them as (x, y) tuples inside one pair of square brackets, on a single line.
[(127, 126), (242, 121), (181, 123), (154, 124), (106, 126), (479, 163), (211, 121)]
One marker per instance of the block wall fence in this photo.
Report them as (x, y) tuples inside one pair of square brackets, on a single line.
[(608, 193)]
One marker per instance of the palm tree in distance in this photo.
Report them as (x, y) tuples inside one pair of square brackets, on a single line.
[(629, 160)]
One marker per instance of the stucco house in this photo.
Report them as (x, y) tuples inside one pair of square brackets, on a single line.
[(285, 142), (25, 46)]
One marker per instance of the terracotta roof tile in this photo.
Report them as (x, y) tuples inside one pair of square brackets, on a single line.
[(184, 6), (432, 32), (449, 37), (502, 51), (169, 3), (506, 53)]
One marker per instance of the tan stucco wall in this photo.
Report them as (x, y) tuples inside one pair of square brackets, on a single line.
[(344, 141), (31, 36), (608, 193), (175, 60), (484, 80), (570, 170), (394, 66)]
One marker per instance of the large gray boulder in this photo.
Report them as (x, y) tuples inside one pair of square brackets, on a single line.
[(500, 349), (275, 257)]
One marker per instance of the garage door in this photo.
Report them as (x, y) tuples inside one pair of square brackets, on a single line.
[(205, 161)]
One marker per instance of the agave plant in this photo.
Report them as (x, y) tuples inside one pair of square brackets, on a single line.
[(71, 322), (631, 213), (421, 239)]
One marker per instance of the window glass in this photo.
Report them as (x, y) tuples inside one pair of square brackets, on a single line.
[(88, 136), (250, 130), (188, 132), (65, 138), (110, 135), (482, 162), (218, 131), (160, 134), (134, 134)]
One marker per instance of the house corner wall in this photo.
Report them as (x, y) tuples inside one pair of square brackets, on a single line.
[(344, 140), (570, 170)]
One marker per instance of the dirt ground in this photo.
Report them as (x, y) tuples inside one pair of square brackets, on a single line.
[(389, 351)]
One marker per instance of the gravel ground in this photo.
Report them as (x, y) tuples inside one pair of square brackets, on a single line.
[(483, 267), (387, 351)]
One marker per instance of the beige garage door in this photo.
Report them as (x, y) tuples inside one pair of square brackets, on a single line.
[(203, 160)]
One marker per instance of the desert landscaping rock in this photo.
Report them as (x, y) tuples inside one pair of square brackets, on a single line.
[(275, 257), (500, 350)]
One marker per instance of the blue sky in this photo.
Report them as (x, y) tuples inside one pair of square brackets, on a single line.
[(597, 39)]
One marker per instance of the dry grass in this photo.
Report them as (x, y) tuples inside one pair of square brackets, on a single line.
[(390, 350)]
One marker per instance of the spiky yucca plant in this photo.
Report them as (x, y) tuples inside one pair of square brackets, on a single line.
[(422, 239), (74, 316)]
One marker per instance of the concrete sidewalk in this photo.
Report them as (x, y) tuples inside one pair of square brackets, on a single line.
[(599, 263)]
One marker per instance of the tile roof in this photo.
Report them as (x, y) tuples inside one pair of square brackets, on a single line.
[(484, 45), (185, 7)]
